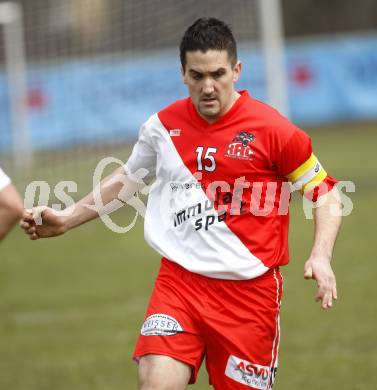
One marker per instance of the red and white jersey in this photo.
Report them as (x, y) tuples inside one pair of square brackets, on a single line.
[(4, 179), (219, 204)]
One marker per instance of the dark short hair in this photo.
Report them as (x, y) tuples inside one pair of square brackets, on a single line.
[(208, 34)]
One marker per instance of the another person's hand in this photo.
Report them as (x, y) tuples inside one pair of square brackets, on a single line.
[(320, 270), (42, 222)]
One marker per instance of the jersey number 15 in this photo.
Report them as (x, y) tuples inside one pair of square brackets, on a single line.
[(207, 162)]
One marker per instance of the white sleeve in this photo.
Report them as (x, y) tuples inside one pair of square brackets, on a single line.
[(141, 165), (4, 180)]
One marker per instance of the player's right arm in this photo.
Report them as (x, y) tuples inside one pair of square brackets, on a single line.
[(43, 222), (122, 184)]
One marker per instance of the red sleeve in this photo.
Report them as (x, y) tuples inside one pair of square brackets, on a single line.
[(296, 160), (326, 186), (294, 153)]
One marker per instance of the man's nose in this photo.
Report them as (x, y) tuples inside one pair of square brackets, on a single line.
[(208, 86)]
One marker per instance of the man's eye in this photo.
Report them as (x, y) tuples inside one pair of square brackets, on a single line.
[(217, 75), (196, 76)]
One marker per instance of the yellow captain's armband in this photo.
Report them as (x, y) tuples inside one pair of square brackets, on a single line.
[(308, 175)]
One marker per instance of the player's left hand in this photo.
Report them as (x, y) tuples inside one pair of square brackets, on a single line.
[(320, 270)]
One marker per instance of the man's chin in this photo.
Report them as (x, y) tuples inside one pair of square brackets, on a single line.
[(210, 114)]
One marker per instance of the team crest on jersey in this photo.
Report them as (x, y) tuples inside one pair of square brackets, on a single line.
[(240, 146)]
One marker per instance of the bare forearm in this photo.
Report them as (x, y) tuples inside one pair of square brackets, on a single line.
[(11, 208), (7, 220), (110, 194), (327, 223), (100, 200)]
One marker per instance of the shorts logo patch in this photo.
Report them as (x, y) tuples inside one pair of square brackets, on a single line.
[(160, 325), (247, 373)]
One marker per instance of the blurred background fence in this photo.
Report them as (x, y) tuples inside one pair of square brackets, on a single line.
[(94, 70)]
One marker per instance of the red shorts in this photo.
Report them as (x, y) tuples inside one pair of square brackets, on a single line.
[(233, 323)]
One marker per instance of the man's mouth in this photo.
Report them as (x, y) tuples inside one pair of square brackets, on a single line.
[(208, 100)]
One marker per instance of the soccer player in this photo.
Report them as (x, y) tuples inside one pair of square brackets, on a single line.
[(11, 207), (218, 214)]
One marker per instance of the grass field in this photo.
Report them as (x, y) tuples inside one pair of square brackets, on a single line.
[(71, 307)]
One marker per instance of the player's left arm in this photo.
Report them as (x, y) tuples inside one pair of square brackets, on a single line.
[(327, 220), (316, 185), (302, 168)]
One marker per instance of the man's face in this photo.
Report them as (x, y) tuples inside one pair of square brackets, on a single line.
[(210, 79)]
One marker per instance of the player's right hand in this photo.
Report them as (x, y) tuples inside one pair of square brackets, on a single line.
[(42, 222)]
